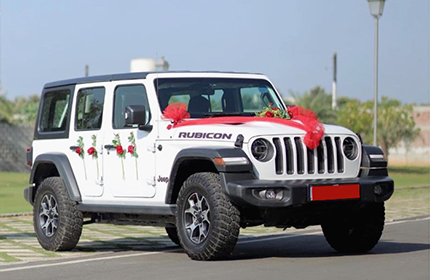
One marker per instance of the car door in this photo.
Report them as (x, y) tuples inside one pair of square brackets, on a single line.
[(86, 139), (129, 153)]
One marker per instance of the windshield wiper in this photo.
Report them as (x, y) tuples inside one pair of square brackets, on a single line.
[(224, 114)]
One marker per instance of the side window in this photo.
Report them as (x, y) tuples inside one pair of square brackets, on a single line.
[(216, 100), (128, 95), (89, 108), (54, 114)]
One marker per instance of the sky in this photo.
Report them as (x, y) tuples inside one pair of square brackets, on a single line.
[(291, 41)]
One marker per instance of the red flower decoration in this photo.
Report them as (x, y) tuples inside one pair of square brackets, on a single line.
[(131, 149), (91, 151), (176, 112), (119, 150), (78, 150), (269, 114), (275, 109), (314, 128)]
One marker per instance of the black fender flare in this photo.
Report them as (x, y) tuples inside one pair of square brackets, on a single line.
[(64, 169), (207, 154), (373, 162)]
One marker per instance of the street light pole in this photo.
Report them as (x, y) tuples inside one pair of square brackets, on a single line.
[(375, 108), (376, 8)]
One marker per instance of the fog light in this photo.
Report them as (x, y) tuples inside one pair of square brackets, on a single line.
[(270, 194), (377, 190)]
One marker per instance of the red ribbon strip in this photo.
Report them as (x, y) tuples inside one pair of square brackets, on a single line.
[(308, 121)]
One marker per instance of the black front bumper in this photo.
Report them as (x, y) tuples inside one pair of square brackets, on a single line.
[(247, 192)]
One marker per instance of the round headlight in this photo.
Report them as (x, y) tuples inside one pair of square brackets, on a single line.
[(262, 150), (350, 148)]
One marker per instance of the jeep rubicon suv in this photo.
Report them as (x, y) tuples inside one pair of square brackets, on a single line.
[(104, 150)]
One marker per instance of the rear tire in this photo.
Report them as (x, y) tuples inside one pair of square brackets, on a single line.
[(207, 222), (172, 233), (57, 222), (357, 233)]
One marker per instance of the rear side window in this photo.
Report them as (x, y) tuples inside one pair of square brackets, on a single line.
[(89, 108), (54, 116)]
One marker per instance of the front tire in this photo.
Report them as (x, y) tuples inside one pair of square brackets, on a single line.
[(207, 222), (57, 222), (357, 232)]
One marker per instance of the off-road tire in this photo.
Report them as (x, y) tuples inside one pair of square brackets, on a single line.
[(172, 233), (359, 232), (63, 214), (224, 218)]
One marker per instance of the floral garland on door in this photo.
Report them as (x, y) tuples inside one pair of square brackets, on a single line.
[(93, 152), (81, 152), (132, 150), (119, 152)]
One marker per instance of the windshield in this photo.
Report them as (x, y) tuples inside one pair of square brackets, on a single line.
[(209, 97)]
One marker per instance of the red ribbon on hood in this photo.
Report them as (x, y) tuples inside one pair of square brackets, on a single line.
[(301, 118)]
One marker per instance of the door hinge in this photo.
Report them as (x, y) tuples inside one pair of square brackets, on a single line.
[(151, 148), (100, 182), (151, 181)]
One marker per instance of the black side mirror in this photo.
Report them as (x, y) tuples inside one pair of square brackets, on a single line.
[(136, 115)]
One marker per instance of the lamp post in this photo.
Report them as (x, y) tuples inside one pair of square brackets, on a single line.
[(376, 8)]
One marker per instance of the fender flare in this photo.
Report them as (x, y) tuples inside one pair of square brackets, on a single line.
[(64, 169), (373, 162), (207, 154)]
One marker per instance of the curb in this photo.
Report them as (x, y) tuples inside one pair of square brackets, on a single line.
[(8, 215)]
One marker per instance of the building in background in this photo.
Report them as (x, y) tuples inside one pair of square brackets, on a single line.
[(148, 65), (418, 152)]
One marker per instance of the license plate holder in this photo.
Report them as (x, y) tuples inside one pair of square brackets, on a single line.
[(335, 192)]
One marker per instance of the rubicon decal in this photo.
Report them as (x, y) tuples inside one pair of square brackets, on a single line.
[(205, 135)]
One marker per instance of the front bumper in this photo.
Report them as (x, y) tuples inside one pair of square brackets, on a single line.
[(248, 192)]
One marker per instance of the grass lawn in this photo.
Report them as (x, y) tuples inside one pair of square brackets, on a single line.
[(409, 176), (12, 187)]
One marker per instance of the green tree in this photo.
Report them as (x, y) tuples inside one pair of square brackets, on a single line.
[(395, 124), (25, 108), (319, 102), (395, 121), (356, 116), (6, 110)]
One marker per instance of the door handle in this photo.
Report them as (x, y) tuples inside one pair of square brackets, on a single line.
[(109, 147), (73, 148)]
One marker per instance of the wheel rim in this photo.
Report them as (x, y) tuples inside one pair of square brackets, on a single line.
[(197, 218), (48, 215)]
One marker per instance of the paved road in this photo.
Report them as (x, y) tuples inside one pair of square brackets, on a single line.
[(403, 253)]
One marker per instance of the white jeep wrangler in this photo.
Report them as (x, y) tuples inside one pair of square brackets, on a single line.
[(104, 152)]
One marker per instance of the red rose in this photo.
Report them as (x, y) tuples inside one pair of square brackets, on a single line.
[(275, 109), (78, 150), (269, 114), (91, 151), (119, 150), (131, 149)]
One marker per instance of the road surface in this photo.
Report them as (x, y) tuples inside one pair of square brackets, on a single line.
[(402, 253)]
